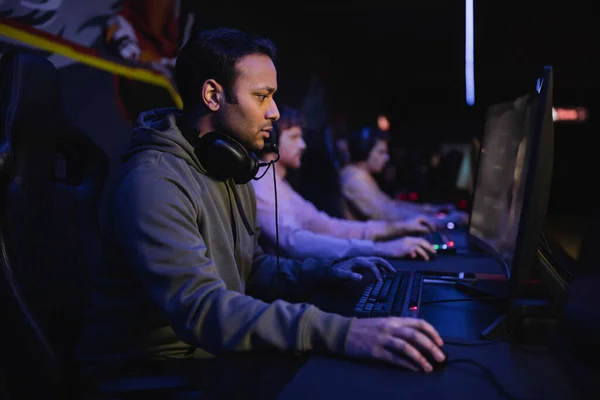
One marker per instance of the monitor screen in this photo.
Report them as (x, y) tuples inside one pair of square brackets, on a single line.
[(460, 155), (502, 174)]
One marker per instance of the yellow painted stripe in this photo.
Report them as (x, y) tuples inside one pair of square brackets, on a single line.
[(136, 73)]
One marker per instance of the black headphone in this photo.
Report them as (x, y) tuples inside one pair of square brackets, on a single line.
[(272, 142), (361, 143), (225, 158)]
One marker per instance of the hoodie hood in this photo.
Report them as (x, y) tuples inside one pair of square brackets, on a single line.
[(157, 130)]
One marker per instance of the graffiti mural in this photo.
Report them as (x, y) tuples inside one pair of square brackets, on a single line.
[(115, 58), (79, 22), (135, 40), (146, 32)]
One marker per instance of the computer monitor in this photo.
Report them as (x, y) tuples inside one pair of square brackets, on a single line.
[(513, 179)]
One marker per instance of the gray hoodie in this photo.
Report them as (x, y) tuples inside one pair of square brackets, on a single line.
[(182, 275)]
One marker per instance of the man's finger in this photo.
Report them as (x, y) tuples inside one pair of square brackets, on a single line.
[(383, 264), (421, 229), (420, 251), (422, 325), (425, 244), (345, 274), (395, 359), (373, 267), (430, 226), (419, 339), (364, 263), (405, 350), (429, 247), (421, 242)]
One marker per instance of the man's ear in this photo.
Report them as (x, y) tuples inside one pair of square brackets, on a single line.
[(212, 94)]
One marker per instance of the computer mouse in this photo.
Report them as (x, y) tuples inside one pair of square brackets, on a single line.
[(438, 366)]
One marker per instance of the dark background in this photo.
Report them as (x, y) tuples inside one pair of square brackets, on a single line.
[(406, 59)]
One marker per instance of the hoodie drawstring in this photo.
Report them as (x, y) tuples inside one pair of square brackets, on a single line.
[(240, 208)]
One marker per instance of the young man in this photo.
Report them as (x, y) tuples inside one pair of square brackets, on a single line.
[(183, 277), (305, 232), (368, 155)]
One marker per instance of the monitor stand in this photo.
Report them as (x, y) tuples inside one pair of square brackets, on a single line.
[(527, 317)]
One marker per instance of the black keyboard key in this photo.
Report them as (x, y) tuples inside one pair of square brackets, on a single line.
[(385, 290), (384, 298), (362, 313)]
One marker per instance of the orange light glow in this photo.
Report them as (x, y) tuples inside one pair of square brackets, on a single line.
[(383, 123), (577, 114)]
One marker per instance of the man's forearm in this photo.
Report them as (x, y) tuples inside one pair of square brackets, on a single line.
[(290, 279)]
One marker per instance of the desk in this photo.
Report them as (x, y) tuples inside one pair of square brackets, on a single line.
[(522, 374)]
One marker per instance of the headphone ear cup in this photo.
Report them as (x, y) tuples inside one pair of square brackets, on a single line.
[(365, 139), (253, 166), (271, 144), (224, 158)]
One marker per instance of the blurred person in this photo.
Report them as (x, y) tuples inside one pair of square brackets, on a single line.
[(344, 150), (387, 179), (183, 278), (307, 232), (318, 179), (364, 199)]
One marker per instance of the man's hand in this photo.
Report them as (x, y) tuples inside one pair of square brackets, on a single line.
[(412, 247), (347, 269), (414, 225), (458, 218), (396, 341), (435, 209)]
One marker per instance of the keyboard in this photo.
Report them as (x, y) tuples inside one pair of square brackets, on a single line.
[(398, 294), (441, 240)]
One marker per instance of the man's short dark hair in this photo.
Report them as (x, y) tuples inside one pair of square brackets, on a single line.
[(213, 54), (289, 117)]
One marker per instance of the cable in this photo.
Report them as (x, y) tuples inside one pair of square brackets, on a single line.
[(268, 165), (471, 343), (278, 273), (509, 333), (509, 339), (489, 374), (274, 149), (481, 298)]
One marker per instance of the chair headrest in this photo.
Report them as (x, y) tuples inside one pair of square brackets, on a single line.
[(30, 111)]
